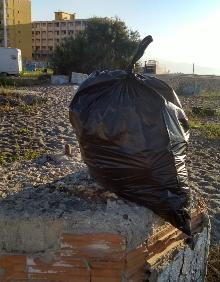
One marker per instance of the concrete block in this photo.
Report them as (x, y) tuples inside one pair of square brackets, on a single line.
[(56, 250), (78, 78), (59, 79), (74, 230)]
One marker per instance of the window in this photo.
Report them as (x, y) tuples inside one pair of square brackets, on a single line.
[(50, 34), (43, 34), (84, 24), (78, 23), (57, 24)]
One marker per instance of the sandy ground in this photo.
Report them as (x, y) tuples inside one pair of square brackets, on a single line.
[(44, 129), (204, 162)]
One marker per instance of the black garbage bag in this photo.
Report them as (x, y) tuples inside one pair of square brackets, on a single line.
[(133, 136)]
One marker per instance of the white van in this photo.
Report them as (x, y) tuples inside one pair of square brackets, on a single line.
[(10, 61)]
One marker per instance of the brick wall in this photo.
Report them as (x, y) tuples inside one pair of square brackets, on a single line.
[(98, 257)]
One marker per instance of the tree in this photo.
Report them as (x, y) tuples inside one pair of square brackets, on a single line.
[(105, 43)]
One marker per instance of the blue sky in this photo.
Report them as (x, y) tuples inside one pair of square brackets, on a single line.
[(184, 31)]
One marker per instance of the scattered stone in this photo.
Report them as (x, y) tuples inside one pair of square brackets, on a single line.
[(68, 150)]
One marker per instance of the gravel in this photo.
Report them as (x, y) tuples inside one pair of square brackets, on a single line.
[(204, 162)]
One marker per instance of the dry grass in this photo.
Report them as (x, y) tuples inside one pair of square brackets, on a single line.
[(22, 81), (211, 94), (209, 129), (6, 108), (10, 91), (36, 73), (213, 274)]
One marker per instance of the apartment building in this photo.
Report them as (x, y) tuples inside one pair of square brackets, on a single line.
[(2, 24), (46, 35), (15, 26)]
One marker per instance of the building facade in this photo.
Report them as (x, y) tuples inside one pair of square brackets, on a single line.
[(15, 26), (2, 25), (46, 35)]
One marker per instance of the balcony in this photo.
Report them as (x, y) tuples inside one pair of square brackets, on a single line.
[(42, 52), (50, 28)]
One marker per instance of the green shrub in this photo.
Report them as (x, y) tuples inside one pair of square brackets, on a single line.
[(194, 123), (211, 130), (201, 111), (31, 154), (25, 108), (36, 73), (22, 131), (105, 43)]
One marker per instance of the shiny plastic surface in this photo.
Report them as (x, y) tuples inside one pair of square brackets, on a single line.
[(133, 136)]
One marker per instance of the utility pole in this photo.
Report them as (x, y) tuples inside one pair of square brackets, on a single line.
[(5, 24), (195, 83)]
